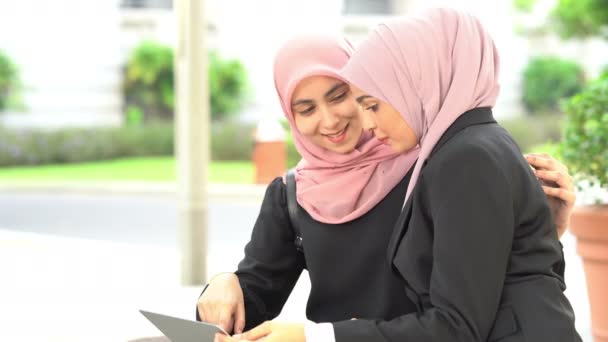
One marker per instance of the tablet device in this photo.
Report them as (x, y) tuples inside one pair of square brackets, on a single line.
[(183, 330)]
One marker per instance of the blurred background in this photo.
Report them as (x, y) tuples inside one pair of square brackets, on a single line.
[(88, 204)]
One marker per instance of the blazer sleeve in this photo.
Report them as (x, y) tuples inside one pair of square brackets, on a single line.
[(272, 264), (469, 201)]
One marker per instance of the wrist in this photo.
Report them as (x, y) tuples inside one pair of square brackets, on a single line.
[(221, 275)]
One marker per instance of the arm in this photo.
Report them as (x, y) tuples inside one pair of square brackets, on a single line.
[(221, 302), (271, 331), (265, 277), (272, 265), (470, 205)]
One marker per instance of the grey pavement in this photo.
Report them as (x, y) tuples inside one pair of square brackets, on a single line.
[(76, 264), (130, 218)]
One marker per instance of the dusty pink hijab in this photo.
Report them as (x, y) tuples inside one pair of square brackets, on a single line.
[(432, 68), (333, 188)]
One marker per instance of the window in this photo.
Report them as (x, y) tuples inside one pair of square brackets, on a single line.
[(146, 3), (368, 7)]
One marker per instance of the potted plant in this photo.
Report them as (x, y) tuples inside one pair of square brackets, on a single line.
[(585, 151)]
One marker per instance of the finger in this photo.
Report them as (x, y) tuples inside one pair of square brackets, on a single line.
[(201, 310), (211, 313), (226, 321), (239, 319), (565, 196), (239, 337), (258, 332), (540, 162), (208, 314), (222, 338), (543, 155), (562, 180)]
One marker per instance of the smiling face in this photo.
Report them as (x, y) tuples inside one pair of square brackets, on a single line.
[(385, 122), (326, 113)]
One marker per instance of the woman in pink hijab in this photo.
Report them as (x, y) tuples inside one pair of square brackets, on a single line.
[(475, 244), (349, 187)]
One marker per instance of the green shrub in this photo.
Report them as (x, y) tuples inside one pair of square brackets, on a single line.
[(37, 147), (10, 84), (231, 141), (152, 139), (585, 143), (529, 131), (547, 81), (604, 72), (580, 18), (134, 116), (149, 83), (524, 5), (227, 86)]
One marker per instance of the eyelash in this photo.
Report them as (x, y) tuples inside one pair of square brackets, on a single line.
[(339, 97), (335, 99), (373, 108), (308, 111)]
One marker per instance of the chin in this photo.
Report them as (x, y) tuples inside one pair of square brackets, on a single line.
[(342, 149)]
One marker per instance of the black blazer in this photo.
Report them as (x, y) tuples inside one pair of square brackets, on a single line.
[(477, 248)]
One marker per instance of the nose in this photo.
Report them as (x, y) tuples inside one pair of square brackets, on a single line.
[(367, 120), (329, 119)]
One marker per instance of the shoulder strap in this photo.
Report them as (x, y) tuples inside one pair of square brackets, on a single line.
[(292, 208)]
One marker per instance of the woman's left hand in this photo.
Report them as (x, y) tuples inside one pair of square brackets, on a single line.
[(558, 187), (269, 331)]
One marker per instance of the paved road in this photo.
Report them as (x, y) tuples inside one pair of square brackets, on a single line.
[(142, 219)]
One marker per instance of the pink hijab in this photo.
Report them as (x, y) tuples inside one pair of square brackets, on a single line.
[(432, 68), (334, 188)]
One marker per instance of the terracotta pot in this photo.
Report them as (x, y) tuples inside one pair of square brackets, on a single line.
[(590, 226), (270, 159)]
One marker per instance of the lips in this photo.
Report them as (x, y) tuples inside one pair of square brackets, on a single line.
[(338, 136)]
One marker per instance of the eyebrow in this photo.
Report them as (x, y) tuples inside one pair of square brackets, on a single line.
[(333, 89), (301, 102), (330, 92), (362, 98)]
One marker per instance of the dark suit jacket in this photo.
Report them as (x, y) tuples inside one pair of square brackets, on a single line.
[(477, 248)]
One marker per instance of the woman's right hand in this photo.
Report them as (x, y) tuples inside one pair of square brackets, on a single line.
[(222, 303), (558, 186)]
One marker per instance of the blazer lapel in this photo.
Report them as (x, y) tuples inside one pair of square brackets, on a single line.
[(477, 116), (400, 229)]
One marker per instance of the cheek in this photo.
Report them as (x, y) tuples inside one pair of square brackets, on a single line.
[(346, 109), (366, 117), (306, 125), (383, 124)]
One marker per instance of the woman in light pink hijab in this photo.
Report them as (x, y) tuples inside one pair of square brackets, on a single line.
[(475, 244), (349, 187), (332, 186)]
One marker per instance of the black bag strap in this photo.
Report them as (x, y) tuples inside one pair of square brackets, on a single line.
[(292, 208)]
